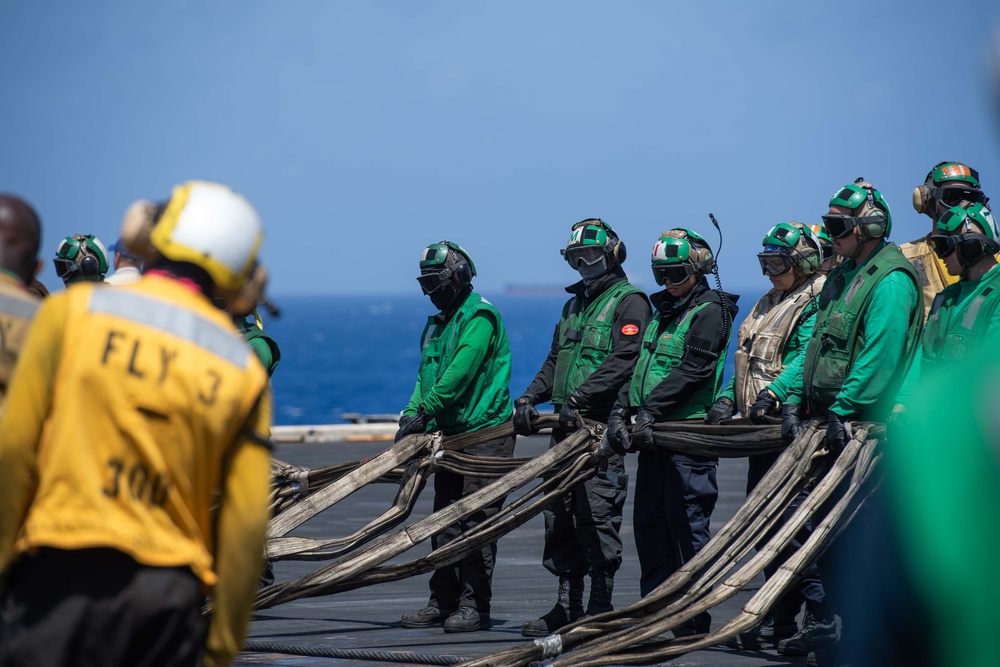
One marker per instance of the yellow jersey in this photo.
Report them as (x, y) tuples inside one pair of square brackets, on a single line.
[(134, 423)]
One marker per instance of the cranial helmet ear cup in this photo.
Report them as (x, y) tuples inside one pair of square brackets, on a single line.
[(244, 301), (921, 200), (90, 266), (137, 228), (812, 259), (464, 273)]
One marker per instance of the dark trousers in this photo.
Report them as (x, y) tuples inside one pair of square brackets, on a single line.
[(582, 527), (468, 582), (98, 607), (809, 588), (674, 499)]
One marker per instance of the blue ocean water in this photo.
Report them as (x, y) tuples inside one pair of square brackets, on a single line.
[(359, 354)]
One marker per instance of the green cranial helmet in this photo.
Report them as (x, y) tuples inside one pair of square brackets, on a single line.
[(956, 221), (81, 257), (446, 271), (949, 184), (678, 254), (788, 244), (589, 241), (446, 255), (953, 171), (869, 211), (955, 231)]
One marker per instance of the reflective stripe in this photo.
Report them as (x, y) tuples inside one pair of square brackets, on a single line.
[(171, 319), (20, 308), (970, 315)]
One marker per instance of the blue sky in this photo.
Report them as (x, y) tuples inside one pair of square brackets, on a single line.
[(363, 131)]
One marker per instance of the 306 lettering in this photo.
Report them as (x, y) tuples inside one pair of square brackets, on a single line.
[(137, 481)]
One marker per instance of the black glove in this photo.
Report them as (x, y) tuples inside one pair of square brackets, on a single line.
[(836, 434), (789, 423), (723, 409), (569, 416), (617, 433), (524, 414), (642, 432), (412, 424), (765, 404)]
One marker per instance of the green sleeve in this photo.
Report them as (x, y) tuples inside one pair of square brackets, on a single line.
[(730, 390), (876, 366), (465, 365), (414, 402), (794, 359)]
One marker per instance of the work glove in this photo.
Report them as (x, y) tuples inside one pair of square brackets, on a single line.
[(836, 434), (617, 434), (409, 424), (723, 409), (789, 423), (569, 415), (766, 403), (524, 414), (642, 432)]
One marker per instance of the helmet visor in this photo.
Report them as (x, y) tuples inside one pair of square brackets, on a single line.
[(583, 254), (432, 281), (953, 195), (774, 263), (673, 274)]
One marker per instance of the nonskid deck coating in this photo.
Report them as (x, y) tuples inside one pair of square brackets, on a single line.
[(368, 618)]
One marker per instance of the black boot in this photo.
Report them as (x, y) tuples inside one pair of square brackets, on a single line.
[(602, 585), (819, 631), (568, 608)]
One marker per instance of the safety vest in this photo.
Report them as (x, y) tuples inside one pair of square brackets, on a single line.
[(956, 324), (662, 349), (837, 336), (931, 273), (762, 338), (585, 338), (17, 307), (486, 402), (153, 388)]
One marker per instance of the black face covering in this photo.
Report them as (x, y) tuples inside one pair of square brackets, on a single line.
[(445, 296)]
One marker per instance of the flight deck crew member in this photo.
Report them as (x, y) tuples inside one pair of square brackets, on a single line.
[(20, 236), (965, 313), (462, 386), (677, 376), (866, 332), (81, 258), (132, 471), (771, 346), (594, 349), (947, 184)]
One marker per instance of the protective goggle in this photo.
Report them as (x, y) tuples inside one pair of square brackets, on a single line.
[(434, 280), (673, 274), (774, 263), (945, 244), (839, 226), (827, 250), (65, 267), (583, 254), (953, 195)]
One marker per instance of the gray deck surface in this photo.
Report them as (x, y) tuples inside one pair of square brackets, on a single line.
[(368, 618)]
